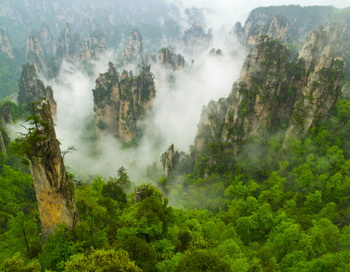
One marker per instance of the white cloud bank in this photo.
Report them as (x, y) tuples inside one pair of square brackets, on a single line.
[(176, 110)]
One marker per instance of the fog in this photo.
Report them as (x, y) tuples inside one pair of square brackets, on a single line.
[(173, 119), (177, 107)]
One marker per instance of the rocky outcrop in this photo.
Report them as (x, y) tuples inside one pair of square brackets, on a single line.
[(6, 109), (35, 53), (170, 59), (32, 89), (121, 101), (215, 52), (93, 48), (41, 50), (170, 159), (68, 44), (5, 118), (196, 39), (47, 42), (5, 43), (212, 123), (54, 191), (277, 93), (133, 50), (286, 23), (3, 148), (323, 82)]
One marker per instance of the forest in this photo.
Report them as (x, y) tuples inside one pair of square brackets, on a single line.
[(270, 209), (264, 186)]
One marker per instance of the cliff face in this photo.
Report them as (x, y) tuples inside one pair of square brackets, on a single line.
[(120, 101), (84, 16), (47, 41), (54, 191), (196, 39), (35, 53), (277, 93), (170, 160), (31, 89), (286, 23), (40, 49), (93, 48), (47, 55), (323, 82), (68, 44), (5, 43), (133, 50)]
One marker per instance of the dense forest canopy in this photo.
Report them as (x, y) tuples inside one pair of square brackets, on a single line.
[(264, 184)]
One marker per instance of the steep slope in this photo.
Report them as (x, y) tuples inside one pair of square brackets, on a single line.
[(114, 17), (277, 93), (54, 191), (133, 50), (286, 23), (5, 43), (32, 89), (121, 101), (35, 53), (92, 48), (68, 43), (196, 39)]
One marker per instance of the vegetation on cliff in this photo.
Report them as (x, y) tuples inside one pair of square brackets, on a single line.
[(265, 187)]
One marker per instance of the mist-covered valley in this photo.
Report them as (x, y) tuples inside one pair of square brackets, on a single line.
[(174, 136)]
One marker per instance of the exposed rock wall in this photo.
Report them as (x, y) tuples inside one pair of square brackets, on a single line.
[(170, 159), (196, 39), (170, 59), (286, 23), (32, 89), (92, 48), (121, 101), (47, 42), (5, 43), (68, 43), (133, 50), (323, 79), (54, 191), (277, 93), (35, 53)]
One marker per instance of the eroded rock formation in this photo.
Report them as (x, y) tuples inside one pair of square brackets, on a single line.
[(121, 101), (133, 50), (5, 43), (68, 44), (35, 53), (196, 39), (170, 159), (93, 48), (277, 93), (170, 59), (47, 42), (54, 191), (286, 23), (32, 89)]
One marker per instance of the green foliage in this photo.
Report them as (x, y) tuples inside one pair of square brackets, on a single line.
[(10, 71), (29, 144), (266, 209), (17, 264), (57, 250), (102, 261), (140, 252), (201, 260)]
